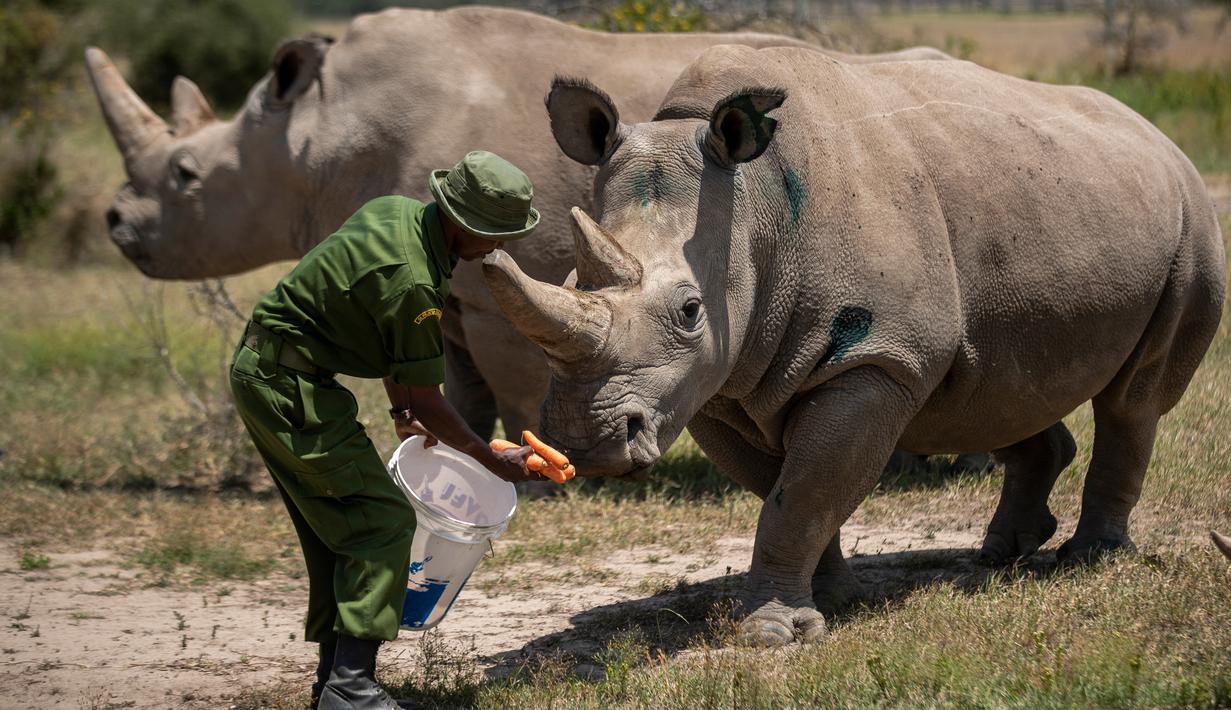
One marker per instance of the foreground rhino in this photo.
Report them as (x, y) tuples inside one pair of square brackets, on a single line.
[(930, 253), (335, 125)]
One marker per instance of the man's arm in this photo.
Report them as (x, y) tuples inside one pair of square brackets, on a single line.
[(406, 425), (441, 420)]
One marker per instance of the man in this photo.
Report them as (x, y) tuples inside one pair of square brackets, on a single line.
[(367, 302)]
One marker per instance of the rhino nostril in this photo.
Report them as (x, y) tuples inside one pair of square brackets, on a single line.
[(634, 426), (113, 218)]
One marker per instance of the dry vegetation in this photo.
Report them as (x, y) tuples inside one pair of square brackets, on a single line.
[(101, 448)]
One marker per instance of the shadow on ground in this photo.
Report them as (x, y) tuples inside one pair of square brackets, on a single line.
[(706, 612)]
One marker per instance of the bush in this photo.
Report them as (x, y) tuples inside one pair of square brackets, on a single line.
[(222, 45), (651, 16)]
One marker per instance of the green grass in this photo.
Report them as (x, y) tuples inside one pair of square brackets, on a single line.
[(1192, 107), (33, 560)]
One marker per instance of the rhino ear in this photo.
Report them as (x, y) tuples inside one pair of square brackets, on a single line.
[(740, 129), (584, 120), (189, 108), (297, 64)]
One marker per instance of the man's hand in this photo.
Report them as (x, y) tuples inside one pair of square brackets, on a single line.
[(407, 428), (510, 465)]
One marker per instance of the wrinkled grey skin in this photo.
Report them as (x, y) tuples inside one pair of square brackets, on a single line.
[(927, 252), (334, 125)]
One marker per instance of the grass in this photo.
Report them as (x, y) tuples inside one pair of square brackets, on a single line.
[(33, 560), (1147, 631)]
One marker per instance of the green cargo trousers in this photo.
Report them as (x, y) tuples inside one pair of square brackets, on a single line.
[(354, 524)]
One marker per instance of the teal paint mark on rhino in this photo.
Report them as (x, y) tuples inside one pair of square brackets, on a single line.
[(647, 186), (849, 328), (794, 193)]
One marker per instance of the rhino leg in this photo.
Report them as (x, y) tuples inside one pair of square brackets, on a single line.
[(1023, 522), (833, 583), (467, 391), (837, 440), (751, 468), (1122, 447)]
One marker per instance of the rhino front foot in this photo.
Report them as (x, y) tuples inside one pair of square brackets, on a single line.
[(1081, 549), (1017, 538), (777, 624)]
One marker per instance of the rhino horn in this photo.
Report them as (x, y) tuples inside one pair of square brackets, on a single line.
[(1222, 542), (569, 325), (601, 261), (133, 125), (189, 107)]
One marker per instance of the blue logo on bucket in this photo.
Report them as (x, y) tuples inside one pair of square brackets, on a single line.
[(420, 602)]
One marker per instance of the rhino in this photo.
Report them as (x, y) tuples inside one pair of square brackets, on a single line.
[(1222, 542), (806, 261), (335, 124)]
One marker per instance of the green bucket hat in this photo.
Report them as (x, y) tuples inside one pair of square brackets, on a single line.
[(487, 196)]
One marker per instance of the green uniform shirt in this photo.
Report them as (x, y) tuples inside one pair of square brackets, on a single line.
[(367, 301)]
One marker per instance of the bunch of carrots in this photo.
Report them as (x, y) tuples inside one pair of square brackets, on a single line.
[(544, 460)]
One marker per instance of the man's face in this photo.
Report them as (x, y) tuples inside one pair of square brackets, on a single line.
[(470, 247), (467, 246)]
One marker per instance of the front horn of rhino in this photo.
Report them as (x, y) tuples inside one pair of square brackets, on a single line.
[(569, 325), (133, 125), (1222, 542)]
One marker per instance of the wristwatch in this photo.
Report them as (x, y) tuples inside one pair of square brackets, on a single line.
[(399, 414)]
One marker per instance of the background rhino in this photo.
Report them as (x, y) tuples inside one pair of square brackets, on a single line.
[(928, 252), (334, 125)]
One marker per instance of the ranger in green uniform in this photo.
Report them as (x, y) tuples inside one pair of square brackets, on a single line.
[(367, 302)]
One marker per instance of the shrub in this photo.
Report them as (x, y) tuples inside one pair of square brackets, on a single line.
[(222, 45), (651, 16)]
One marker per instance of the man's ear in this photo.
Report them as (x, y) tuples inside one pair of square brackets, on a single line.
[(584, 120), (740, 129), (297, 64)]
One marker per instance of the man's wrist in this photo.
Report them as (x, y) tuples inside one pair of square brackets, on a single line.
[(401, 414)]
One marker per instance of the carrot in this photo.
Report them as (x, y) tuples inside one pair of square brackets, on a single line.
[(550, 455), (503, 445), (534, 462), (559, 475)]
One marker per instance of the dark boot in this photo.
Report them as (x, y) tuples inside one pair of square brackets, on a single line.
[(352, 682), (324, 667)]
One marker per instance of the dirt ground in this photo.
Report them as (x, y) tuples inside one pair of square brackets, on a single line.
[(86, 632)]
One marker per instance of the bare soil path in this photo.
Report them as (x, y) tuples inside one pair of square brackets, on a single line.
[(90, 631)]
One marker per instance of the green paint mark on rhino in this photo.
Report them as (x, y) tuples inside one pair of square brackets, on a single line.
[(794, 193), (647, 186), (849, 328)]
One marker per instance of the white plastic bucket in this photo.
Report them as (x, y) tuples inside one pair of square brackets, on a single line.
[(459, 507)]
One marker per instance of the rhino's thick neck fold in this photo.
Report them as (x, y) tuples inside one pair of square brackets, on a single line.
[(764, 370)]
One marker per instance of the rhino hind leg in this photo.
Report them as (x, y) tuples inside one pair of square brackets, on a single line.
[(1122, 448), (1023, 522), (1148, 385)]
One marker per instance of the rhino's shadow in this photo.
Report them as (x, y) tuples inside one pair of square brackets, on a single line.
[(692, 615)]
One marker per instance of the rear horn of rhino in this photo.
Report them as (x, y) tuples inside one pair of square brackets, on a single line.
[(569, 325), (601, 261), (133, 125), (189, 109)]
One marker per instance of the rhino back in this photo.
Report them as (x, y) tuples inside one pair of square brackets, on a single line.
[(1003, 242)]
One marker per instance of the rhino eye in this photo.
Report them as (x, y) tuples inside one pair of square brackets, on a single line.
[(185, 174), (690, 314)]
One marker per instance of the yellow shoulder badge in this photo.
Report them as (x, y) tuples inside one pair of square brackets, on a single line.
[(429, 313)]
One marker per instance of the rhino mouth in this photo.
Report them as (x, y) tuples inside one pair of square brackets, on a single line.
[(629, 448), (129, 241)]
